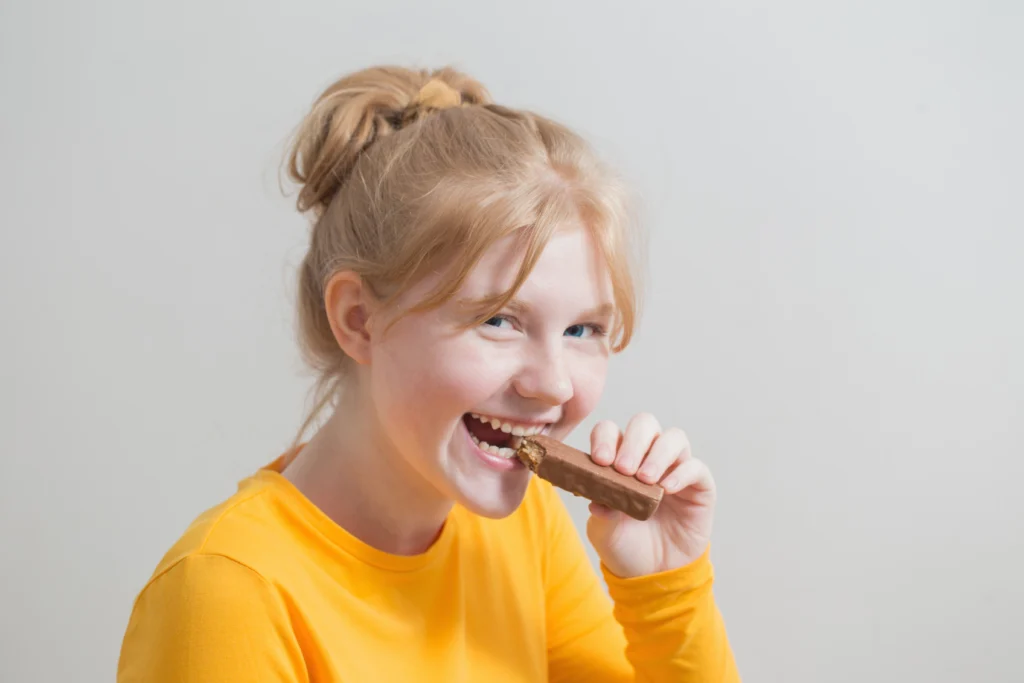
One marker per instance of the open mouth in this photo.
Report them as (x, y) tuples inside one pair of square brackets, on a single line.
[(496, 436)]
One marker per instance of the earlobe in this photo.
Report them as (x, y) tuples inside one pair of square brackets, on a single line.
[(348, 310)]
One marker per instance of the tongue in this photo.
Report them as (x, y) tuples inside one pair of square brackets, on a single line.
[(485, 432)]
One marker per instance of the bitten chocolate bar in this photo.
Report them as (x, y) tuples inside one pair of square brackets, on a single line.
[(573, 470)]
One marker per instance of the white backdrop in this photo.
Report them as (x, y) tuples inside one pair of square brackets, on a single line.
[(833, 192)]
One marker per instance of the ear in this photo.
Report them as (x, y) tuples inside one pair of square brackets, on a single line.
[(349, 305)]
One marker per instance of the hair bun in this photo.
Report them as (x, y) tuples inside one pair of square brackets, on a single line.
[(437, 94), (361, 108)]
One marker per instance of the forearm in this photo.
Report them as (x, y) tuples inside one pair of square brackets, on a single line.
[(673, 628)]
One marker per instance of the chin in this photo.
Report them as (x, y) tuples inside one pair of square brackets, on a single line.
[(498, 505), (484, 483)]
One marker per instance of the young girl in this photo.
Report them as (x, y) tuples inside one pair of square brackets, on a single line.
[(467, 280)]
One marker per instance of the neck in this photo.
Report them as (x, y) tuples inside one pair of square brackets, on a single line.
[(351, 471)]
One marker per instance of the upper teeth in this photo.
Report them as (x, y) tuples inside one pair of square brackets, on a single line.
[(507, 427)]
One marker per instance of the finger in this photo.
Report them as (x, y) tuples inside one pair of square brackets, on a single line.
[(641, 432), (670, 448), (603, 511), (692, 474), (604, 442)]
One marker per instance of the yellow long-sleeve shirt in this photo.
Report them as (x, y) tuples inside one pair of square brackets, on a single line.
[(265, 587)]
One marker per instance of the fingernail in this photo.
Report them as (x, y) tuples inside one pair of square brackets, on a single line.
[(600, 454)]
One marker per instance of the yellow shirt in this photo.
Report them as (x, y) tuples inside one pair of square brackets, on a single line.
[(265, 587)]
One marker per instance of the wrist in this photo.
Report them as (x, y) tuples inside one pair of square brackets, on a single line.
[(679, 567), (634, 567)]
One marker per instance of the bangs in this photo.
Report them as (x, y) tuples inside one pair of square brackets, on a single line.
[(467, 221)]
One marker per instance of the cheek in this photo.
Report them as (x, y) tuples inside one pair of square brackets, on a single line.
[(588, 378), (462, 378), (432, 381)]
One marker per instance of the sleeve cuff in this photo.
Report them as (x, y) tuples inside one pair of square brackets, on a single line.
[(653, 589)]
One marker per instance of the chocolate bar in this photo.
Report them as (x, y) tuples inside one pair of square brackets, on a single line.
[(573, 470)]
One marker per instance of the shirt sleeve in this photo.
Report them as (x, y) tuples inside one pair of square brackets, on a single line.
[(209, 618), (663, 627)]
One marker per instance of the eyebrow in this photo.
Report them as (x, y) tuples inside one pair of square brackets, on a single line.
[(605, 310)]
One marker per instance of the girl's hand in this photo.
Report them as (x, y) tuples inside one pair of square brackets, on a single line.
[(680, 530)]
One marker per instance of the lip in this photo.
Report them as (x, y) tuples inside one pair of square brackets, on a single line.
[(493, 461)]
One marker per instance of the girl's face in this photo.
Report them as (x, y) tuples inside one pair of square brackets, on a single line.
[(450, 399)]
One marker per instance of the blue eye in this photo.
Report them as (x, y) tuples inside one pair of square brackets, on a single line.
[(497, 321), (580, 331)]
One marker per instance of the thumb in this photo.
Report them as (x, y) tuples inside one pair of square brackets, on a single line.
[(602, 524)]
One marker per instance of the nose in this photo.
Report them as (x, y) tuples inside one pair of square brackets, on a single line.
[(545, 377)]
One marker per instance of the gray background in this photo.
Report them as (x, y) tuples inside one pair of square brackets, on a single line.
[(833, 192)]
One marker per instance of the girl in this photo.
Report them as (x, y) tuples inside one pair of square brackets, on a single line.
[(467, 280)]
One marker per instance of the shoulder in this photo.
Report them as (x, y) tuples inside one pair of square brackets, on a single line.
[(213, 574), (203, 584), (209, 617), (240, 535)]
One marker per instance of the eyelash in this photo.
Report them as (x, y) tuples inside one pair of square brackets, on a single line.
[(598, 330)]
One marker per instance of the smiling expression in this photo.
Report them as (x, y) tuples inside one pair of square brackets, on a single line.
[(451, 398)]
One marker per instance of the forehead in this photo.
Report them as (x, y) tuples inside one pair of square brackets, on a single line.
[(571, 267)]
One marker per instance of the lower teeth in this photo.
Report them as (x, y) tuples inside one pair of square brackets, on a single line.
[(499, 451)]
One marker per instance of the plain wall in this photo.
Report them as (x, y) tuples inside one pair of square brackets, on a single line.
[(833, 193)]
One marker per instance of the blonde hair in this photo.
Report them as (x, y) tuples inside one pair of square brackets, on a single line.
[(408, 171)]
